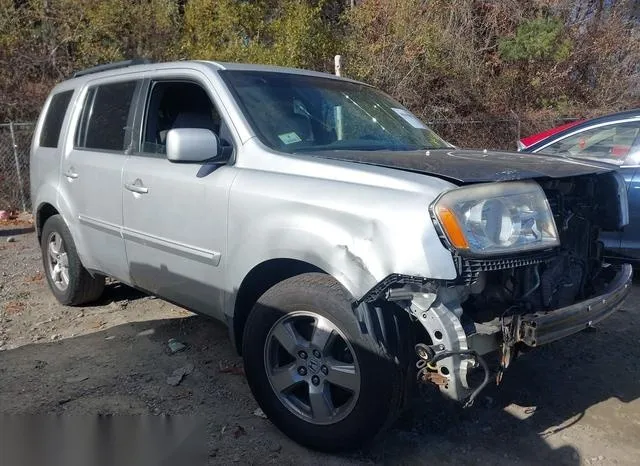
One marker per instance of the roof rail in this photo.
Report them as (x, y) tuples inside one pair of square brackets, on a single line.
[(112, 66)]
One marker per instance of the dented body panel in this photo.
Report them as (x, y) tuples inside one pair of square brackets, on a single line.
[(358, 223)]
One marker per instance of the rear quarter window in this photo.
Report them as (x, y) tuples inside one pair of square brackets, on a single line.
[(50, 133)]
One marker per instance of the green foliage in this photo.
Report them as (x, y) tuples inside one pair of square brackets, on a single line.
[(441, 58), (287, 33), (393, 44), (44, 41), (112, 30), (537, 39)]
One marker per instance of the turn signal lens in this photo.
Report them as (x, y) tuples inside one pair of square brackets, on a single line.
[(452, 228)]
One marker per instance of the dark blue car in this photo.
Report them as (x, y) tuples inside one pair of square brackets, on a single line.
[(613, 139)]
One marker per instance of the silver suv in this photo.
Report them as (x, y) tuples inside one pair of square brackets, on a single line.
[(349, 249)]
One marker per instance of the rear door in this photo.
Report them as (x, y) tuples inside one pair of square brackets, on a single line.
[(44, 166), (175, 214), (92, 172)]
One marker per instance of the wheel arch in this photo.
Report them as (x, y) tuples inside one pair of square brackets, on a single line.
[(43, 213), (259, 279)]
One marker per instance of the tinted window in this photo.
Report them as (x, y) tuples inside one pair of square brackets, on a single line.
[(50, 132), (176, 104), (103, 124), (609, 143)]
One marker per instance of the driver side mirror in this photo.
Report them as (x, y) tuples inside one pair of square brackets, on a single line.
[(191, 145)]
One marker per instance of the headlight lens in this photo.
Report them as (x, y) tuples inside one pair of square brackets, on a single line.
[(496, 218)]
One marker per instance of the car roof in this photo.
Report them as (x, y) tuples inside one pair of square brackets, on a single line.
[(105, 71), (610, 118)]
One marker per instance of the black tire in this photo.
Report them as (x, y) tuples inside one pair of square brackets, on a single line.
[(379, 338), (82, 287)]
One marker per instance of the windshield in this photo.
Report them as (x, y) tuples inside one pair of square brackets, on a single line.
[(298, 113)]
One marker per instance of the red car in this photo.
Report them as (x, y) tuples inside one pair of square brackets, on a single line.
[(529, 141)]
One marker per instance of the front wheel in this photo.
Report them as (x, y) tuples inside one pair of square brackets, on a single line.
[(317, 372)]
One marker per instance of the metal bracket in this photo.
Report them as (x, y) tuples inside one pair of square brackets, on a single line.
[(509, 339), (381, 288), (444, 328)]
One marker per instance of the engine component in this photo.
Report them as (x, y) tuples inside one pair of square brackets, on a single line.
[(562, 282)]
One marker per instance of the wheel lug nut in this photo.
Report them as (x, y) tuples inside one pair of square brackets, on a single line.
[(315, 380), (302, 370), (317, 353), (302, 354), (325, 370)]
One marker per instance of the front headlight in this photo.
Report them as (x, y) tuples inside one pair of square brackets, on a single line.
[(496, 218)]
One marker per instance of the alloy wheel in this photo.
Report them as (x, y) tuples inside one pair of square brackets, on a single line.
[(312, 367), (57, 261)]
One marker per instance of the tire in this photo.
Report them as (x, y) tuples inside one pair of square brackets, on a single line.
[(75, 285), (376, 400)]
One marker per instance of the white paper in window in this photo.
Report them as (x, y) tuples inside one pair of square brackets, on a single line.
[(409, 118), (289, 138)]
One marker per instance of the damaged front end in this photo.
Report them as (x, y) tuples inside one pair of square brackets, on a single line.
[(530, 271)]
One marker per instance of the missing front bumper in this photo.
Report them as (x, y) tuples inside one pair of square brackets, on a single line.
[(542, 328)]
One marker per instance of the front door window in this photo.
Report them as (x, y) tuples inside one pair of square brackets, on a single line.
[(176, 104)]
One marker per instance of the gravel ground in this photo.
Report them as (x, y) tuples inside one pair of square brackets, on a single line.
[(573, 402)]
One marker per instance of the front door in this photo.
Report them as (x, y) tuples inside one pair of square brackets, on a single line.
[(175, 214), (92, 174)]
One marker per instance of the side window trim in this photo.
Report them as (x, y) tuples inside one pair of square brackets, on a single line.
[(85, 116), (134, 111), (140, 116), (634, 152), (143, 105), (84, 119)]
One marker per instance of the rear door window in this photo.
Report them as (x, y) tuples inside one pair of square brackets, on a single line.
[(50, 133), (107, 115)]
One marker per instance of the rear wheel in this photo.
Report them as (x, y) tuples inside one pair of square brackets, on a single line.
[(68, 280), (317, 372)]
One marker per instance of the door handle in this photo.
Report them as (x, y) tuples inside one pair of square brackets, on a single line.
[(71, 174), (136, 187)]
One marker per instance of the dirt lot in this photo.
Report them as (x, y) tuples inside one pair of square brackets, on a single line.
[(573, 402)]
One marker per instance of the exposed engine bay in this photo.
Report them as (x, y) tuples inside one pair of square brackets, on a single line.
[(581, 207), (505, 303)]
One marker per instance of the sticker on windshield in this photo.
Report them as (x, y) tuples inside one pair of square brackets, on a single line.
[(409, 118), (289, 138)]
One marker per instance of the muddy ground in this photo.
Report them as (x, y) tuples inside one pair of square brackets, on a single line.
[(573, 402)]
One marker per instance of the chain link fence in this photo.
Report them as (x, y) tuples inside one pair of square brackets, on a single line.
[(15, 142), (499, 133)]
